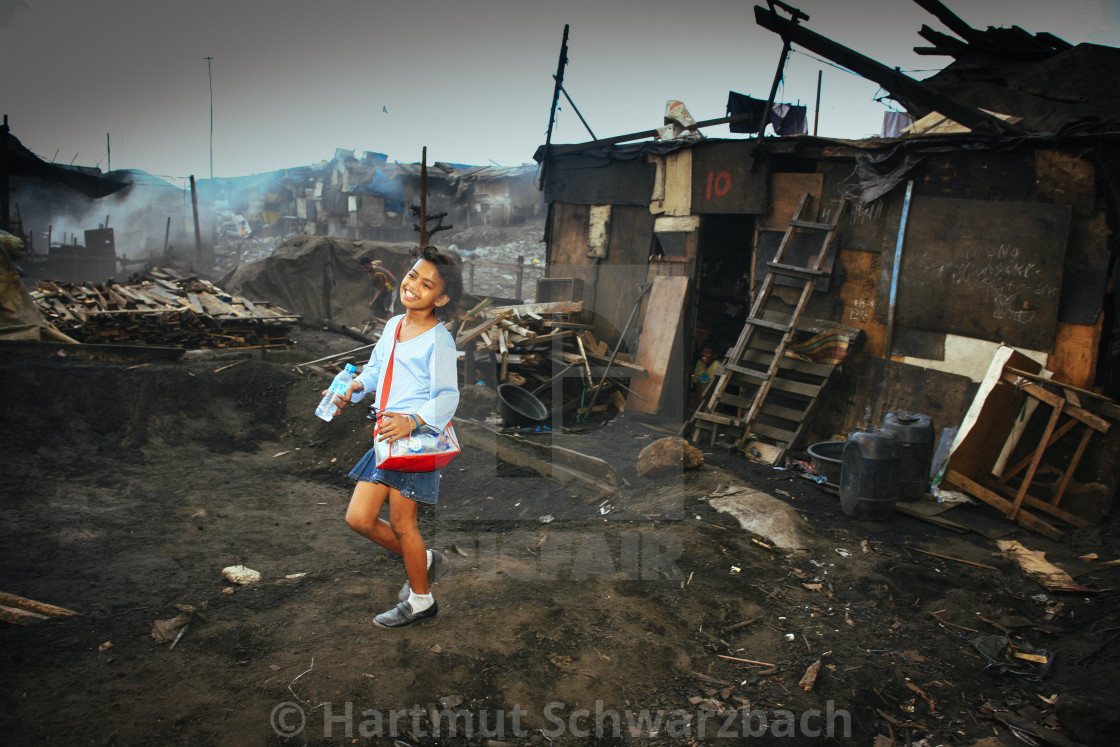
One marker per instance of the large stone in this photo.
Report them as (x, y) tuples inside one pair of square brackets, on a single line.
[(669, 455), (761, 514)]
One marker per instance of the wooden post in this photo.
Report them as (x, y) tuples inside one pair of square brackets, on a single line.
[(5, 193), (167, 236), (897, 269), (817, 110), (197, 232), (424, 197), (520, 277)]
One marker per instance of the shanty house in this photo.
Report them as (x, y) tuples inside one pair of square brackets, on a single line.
[(928, 256)]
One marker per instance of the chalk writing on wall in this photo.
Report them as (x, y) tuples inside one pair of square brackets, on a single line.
[(986, 269), (1003, 272)]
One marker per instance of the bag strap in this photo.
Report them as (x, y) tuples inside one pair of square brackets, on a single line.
[(389, 368)]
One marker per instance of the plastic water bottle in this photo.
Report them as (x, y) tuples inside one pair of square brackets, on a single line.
[(327, 409)]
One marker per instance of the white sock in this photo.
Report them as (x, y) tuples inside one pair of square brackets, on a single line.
[(420, 602), (429, 558)]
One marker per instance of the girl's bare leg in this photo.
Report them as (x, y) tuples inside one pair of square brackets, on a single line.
[(362, 515), (403, 523)]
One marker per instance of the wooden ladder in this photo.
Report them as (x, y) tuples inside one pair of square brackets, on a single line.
[(773, 395)]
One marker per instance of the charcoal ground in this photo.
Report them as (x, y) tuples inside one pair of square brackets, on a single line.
[(127, 490)]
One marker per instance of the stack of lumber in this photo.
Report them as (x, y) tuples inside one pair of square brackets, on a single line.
[(535, 345), (161, 308)]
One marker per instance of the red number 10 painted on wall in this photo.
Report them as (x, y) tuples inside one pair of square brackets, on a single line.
[(719, 182)]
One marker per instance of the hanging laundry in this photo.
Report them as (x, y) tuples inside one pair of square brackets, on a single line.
[(894, 122), (786, 119)]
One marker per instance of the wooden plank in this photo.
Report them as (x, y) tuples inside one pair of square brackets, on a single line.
[(993, 499), (12, 600), (1041, 505), (1036, 459), (1080, 414), (1074, 356), (659, 350)]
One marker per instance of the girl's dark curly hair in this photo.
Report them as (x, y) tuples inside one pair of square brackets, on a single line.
[(449, 272)]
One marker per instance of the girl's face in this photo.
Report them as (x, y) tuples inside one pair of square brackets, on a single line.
[(422, 287)]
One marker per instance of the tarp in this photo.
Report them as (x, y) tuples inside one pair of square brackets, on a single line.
[(25, 164), (384, 185), (317, 277)]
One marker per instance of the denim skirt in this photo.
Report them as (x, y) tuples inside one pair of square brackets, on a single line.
[(422, 487)]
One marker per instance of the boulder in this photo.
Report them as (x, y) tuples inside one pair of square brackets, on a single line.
[(669, 455)]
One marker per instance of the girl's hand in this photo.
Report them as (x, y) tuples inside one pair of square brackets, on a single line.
[(341, 400), (393, 426)]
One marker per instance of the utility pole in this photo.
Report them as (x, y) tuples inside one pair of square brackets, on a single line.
[(559, 85), (5, 195), (210, 75), (795, 17)]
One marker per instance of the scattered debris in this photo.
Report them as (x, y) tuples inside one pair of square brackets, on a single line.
[(17, 610), (169, 630), (163, 308), (955, 560), (1022, 661), (1035, 565), (810, 677)]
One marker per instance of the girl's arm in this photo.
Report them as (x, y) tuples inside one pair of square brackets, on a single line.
[(366, 381), (444, 390)]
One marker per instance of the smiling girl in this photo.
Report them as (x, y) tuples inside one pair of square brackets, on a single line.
[(424, 394)]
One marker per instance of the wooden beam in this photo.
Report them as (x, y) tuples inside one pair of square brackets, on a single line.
[(913, 94), (1029, 520)]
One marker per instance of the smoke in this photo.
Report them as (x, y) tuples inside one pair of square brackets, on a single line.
[(150, 218)]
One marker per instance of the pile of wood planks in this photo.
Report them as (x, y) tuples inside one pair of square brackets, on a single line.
[(541, 345), (160, 307)]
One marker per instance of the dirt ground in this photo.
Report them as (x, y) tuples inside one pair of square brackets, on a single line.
[(569, 617)]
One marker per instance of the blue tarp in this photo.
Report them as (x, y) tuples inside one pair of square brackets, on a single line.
[(384, 185)]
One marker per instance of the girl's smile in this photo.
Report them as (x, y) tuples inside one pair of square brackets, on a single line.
[(423, 287)]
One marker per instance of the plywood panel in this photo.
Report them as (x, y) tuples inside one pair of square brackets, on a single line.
[(596, 180), (785, 193), (990, 270), (858, 293), (568, 234), (660, 346), (678, 183), (725, 179), (1075, 353)]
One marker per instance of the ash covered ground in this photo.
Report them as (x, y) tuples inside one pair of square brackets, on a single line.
[(128, 490), (644, 616)]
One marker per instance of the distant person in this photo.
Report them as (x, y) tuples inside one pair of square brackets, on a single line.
[(424, 394), (703, 373), (382, 284)]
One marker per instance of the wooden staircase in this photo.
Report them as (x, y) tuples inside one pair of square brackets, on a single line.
[(759, 390)]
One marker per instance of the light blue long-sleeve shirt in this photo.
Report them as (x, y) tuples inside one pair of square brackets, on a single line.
[(425, 377)]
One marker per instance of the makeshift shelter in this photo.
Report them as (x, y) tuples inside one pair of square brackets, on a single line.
[(902, 265)]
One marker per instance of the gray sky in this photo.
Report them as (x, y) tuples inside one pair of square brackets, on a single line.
[(472, 80)]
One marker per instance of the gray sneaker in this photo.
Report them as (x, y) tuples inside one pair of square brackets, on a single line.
[(437, 570)]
